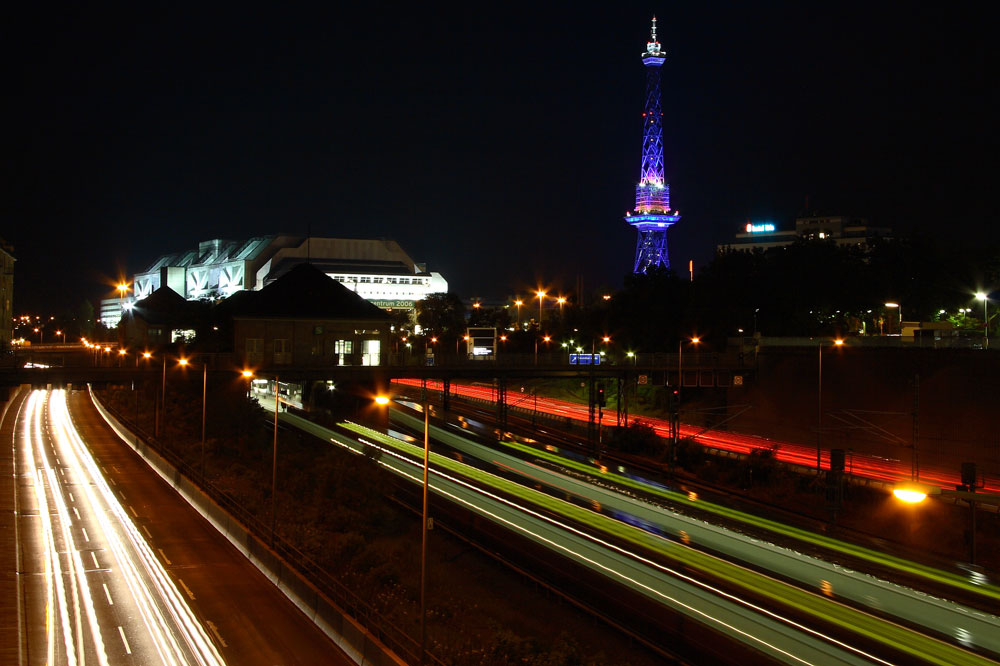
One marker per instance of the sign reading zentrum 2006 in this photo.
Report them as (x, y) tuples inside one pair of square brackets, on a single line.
[(394, 304)]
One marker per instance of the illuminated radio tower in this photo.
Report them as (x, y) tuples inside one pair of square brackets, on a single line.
[(652, 216)]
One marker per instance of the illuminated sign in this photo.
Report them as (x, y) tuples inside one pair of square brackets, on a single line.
[(763, 227), (393, 304), (584, 359)]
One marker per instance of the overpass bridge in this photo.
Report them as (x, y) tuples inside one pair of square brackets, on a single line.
[(76, 366)]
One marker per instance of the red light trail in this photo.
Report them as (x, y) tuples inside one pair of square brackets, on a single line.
[(863, 465)]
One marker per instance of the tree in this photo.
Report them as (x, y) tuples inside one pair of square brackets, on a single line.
[(441, 314)]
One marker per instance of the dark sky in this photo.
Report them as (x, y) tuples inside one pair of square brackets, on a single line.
[(499, 143)]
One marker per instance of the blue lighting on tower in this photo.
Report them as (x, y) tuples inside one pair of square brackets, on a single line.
[(652, 216)]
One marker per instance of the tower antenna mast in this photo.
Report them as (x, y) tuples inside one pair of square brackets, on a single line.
[(652, 215)]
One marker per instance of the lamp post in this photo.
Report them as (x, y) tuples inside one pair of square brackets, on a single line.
[(541, 298), (204, 407), (819, 403), (424, 517), (680, 364), (274, 458), (546, 339), (898, 307), (986, 321), (561, 301), (519, 303)]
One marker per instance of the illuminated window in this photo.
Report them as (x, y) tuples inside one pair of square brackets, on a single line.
[(342, 349), (371, 354)]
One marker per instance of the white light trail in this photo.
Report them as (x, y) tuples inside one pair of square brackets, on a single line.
[(172, 633), (610, 571)]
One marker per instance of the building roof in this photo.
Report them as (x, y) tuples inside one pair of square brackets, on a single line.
[(166, 306), (303, 292)]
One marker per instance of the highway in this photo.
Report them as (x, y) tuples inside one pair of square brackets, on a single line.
[(861, 465), (621, 553), (116, 568), (604, 490)]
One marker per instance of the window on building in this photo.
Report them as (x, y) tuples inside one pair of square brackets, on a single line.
[(366, 279), (282, 351), (255, 351), (371, 352), (342, 350), (377, 280), (404, 280)]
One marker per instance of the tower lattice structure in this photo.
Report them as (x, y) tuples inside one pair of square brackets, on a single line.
[(652, 215)]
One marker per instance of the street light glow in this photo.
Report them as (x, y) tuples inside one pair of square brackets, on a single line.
[(980, 295), (696, 340), (182, 361), (247, 373), (381, 400), (838, 342), (908, 495)]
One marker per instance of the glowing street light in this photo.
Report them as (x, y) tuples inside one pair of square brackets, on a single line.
[(898, 307), (519, 303), (819, 403), (986, 321), (541, 298), (424, 519)]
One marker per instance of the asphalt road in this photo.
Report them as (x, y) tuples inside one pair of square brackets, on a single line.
[(116, 568)]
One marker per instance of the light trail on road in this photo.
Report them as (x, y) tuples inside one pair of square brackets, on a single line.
[(604, 490), (653, 578), (866, 466), (106, 597)]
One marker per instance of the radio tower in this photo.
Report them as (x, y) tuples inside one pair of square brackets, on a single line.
[(652, 216)]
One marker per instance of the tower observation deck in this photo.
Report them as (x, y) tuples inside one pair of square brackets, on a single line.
[(652, 215)]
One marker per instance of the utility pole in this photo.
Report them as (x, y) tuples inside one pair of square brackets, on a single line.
[(915, 461)]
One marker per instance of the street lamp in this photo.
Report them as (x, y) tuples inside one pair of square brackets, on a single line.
[(541, 298), (680, 365), (819, 402), (986, 321), (274, 457), (561, 301), (898, 307), (424, 518), (519, 303)]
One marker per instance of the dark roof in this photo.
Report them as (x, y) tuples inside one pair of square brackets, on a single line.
[(166, 306), (303, 292)]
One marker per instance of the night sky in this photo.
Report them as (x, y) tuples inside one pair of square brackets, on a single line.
[(499, 143)]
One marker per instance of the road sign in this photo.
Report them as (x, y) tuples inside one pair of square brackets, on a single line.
[(584, 359), (737, 380), (643, 379)]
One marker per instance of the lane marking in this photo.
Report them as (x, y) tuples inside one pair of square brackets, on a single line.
[(107, 593), (85, 536), (186, 589), (93, 556), (146, 531), (77, 513), (71, 497), (121, 632), (112, 481), (134, 514), (164, 556), (215, 630)]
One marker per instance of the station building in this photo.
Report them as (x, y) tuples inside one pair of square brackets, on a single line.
[(379, 271)]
